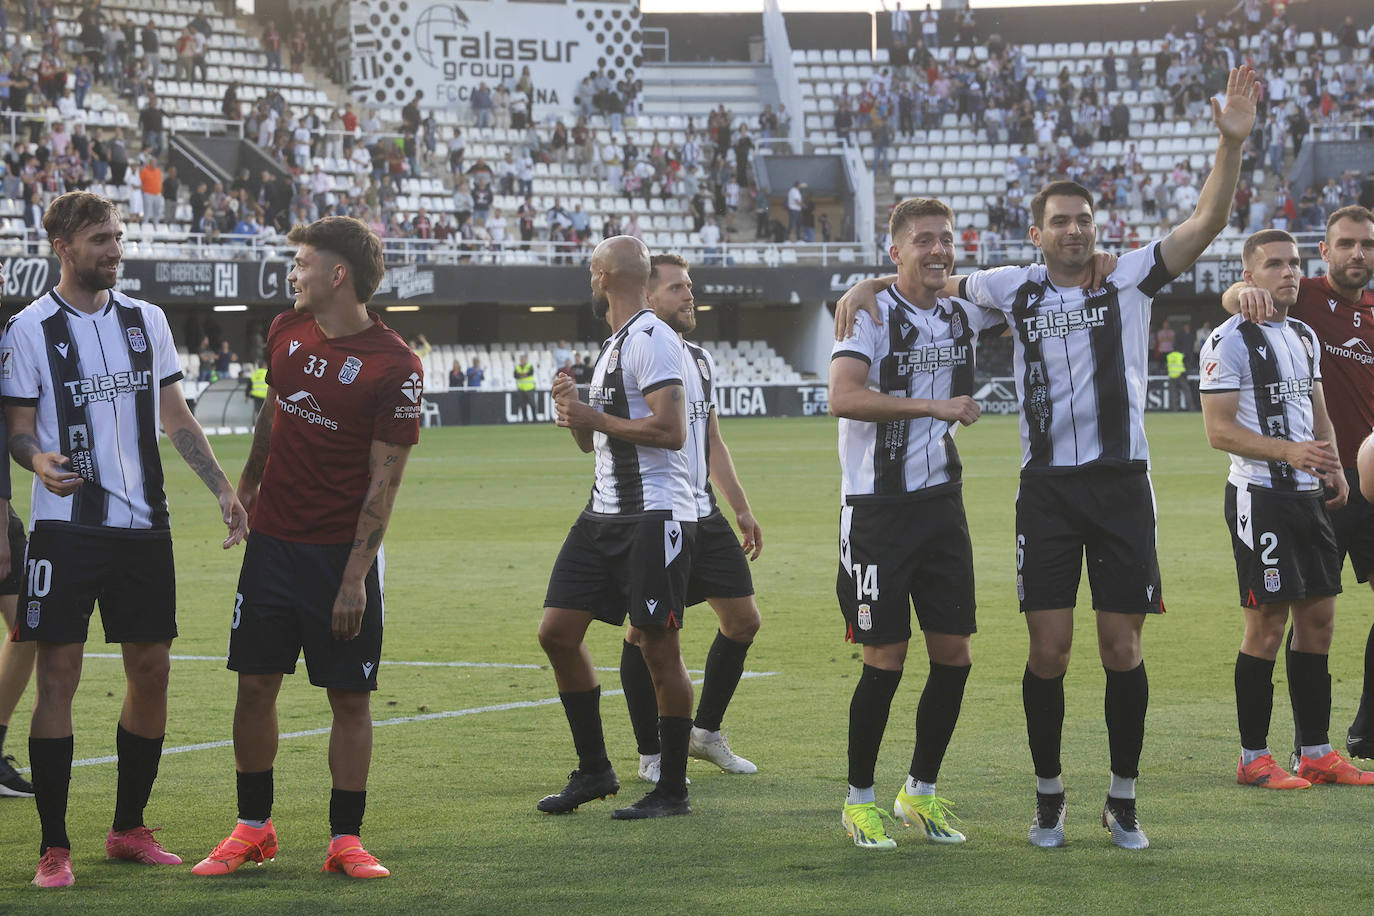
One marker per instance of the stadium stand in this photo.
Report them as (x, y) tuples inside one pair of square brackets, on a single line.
[(980, 122)]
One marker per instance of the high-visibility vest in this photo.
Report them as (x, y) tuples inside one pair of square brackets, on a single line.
[(1174, 363), (258, 386), (524, 377)]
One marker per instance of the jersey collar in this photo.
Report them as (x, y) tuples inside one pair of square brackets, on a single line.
[(109, 304)]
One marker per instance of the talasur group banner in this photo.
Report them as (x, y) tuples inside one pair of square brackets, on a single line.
[(447, 50)]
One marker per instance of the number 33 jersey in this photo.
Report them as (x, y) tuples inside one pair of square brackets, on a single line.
[(333, 398)]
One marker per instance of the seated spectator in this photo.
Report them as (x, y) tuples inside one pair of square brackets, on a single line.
[(475, 374), (457, 378)]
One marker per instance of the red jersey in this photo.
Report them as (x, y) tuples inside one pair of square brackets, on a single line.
[(1346, 333), (333, 398)]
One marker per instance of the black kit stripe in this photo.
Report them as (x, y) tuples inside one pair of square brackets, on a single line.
[(629, 481), (890, 438), (141, 361), (707, 383), (1036, 408), (1264, 374), (73, 426), (961, 383), (1109, 378)]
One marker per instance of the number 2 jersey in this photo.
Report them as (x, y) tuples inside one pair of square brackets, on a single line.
[(914, 353), (334, 397), (1273, 366), (1080, 359), (95, 383)]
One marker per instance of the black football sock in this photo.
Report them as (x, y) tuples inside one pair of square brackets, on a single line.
[(1360, 728), (1124, 703), (346, 812), (936, 716), (1254, 700), (1310, 687), (1043, 699), (868, 712), (51, 762), (138, 762), (724, 667), (583, 710), (675, 733), (3, 730), (255, 795), (640, 698)]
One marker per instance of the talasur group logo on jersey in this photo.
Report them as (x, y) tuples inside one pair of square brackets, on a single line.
[(1062, 324), (929, 359), (1289, 389), (108, 387), (137, 342)]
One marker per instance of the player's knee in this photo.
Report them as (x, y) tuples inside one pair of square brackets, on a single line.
[(1120, 651), (257, 693), (741, 622), (150, 674), (557, 640), (1049, 660)]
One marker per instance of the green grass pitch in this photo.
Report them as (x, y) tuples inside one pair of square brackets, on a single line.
[(451, 800)]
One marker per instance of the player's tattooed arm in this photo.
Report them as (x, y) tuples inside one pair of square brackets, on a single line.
[(190, 442), (386, 465), (51, 468), (194, 448), (262, 440)]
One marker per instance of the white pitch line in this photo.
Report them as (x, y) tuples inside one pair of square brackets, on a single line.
[(511, 665), (399, 720)]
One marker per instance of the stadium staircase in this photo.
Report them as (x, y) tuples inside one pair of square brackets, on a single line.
[(695, 89)]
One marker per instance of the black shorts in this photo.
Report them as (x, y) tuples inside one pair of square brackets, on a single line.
[(614, 568), (719, 567), (285, 603), (1354, 525), (1284, 545), (1109, 513), (18, 541), (897, 555), (68, 568)]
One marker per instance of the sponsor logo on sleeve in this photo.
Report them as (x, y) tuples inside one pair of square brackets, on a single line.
[(412, 388), (7, 363)]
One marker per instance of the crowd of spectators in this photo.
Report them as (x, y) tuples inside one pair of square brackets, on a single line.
[(1060, 126)]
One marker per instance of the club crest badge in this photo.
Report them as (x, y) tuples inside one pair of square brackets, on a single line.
[(351, 367), (137, 342)]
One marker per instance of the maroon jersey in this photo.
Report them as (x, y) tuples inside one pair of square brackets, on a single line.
[(333, 398), (1346, 333)]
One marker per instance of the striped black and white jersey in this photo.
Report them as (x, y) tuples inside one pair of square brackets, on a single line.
[(642, 357), (95, 382), (699, 374), (915, 353), (1273, 365), (1080, 359)]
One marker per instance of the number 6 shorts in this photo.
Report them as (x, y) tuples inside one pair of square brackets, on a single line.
[(898, 555)]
